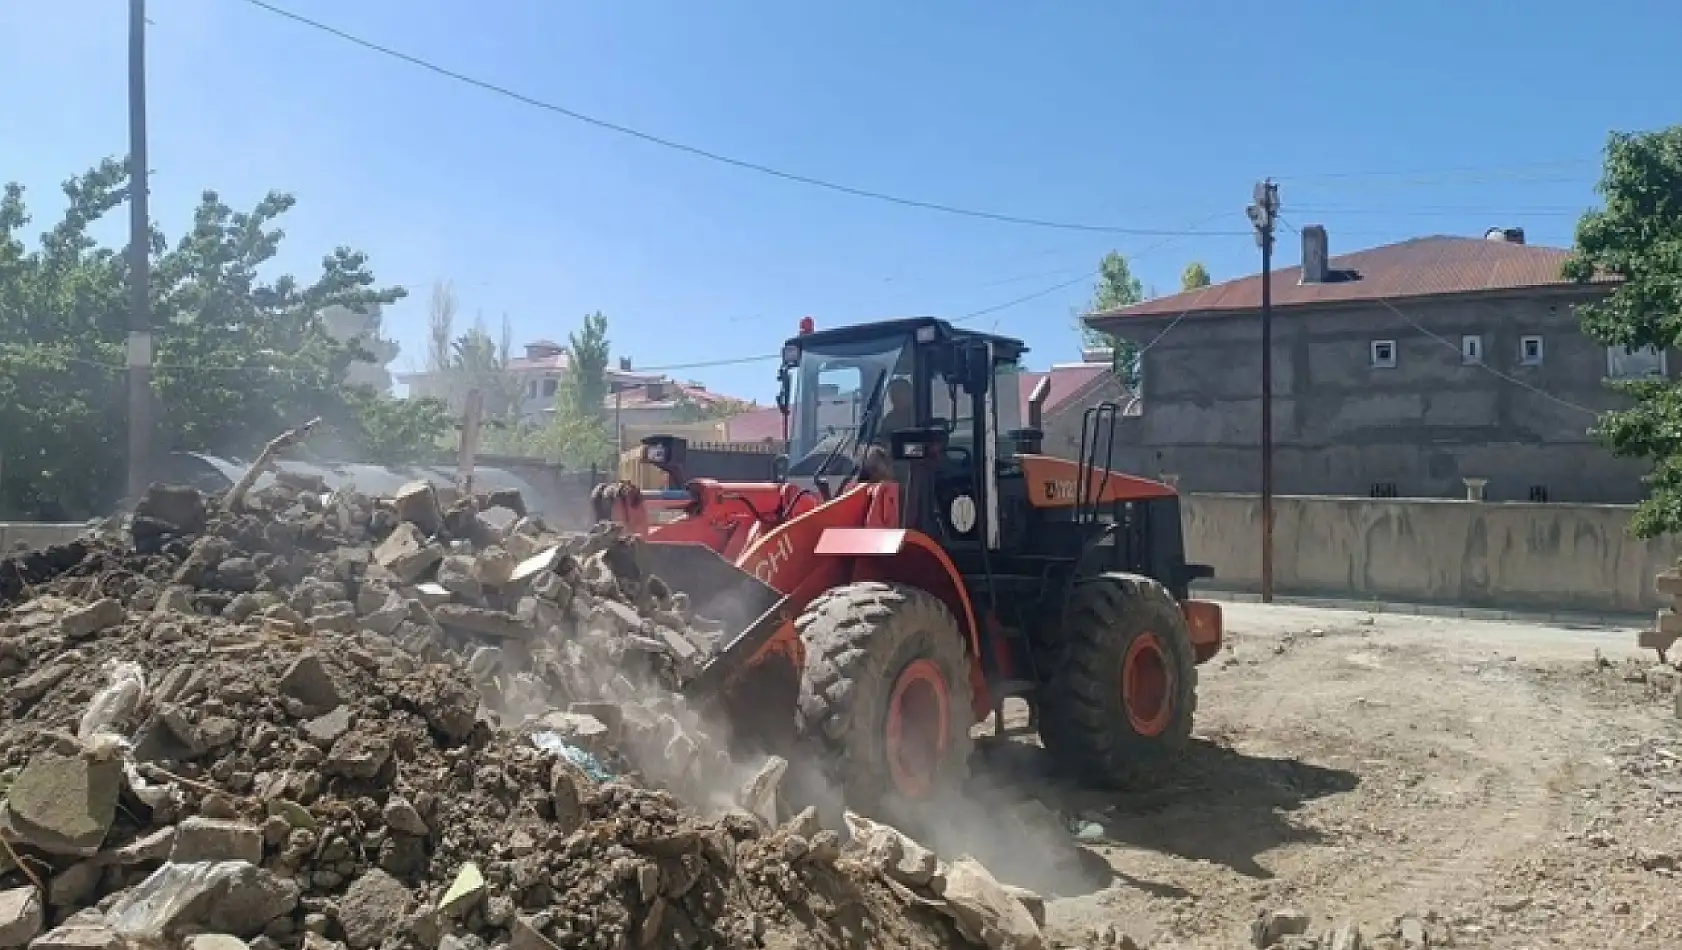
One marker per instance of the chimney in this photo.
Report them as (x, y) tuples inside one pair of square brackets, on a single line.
[(1315, 265), (624, 364), (1505, 235)]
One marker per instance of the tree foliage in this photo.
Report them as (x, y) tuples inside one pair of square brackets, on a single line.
[(238, 357), (1116, 288), (1194, 276), (1637, 237)]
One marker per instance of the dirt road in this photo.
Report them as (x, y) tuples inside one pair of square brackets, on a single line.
[(1492, 779)]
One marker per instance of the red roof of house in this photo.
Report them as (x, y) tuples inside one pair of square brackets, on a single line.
[(1066, 381), (755, 425), (1421, 267)]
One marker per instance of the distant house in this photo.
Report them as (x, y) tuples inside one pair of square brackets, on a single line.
[(634, 399), (1402, 370)]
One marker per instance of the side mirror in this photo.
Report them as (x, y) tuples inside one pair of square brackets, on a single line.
[(977, 368)]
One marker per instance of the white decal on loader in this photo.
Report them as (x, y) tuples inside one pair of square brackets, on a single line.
[(781, 551), (1059, 489)]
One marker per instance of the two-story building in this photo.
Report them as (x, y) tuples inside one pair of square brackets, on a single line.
[(1402, 370)]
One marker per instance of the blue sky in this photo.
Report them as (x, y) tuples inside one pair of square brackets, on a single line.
[(1381, 121)]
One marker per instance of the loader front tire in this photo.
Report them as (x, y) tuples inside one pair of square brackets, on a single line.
[(1122, 684), (885, 694)]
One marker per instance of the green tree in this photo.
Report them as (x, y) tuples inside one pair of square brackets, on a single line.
[(1116, 288), (1194, 276), (238, 358), (578, 432), (588, 350), (1637, 237)]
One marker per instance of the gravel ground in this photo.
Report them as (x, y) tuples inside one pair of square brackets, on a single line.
[(1503, 785)]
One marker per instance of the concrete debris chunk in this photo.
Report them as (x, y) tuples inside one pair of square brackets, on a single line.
[(371, 908), (308, 681), (83, 622), (985, 912), (206, 839), (63, 803), (74, 936), (21, 916), (407, 554), (761, 796), (1272, 925), (417, 503)]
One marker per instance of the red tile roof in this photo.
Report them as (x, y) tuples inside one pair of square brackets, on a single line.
[(757, 425), (1066, 382), (1421, 267)]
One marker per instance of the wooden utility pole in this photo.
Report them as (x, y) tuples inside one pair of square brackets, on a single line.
[(140, 240), (1263, 214)]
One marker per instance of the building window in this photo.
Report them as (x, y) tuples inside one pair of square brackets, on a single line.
[(531, 389), (1383, 354), (1624, 362), (1530, 350), (1471, 349), (549, 388)]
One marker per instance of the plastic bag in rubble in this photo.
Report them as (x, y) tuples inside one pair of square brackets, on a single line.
[(116, 702), (552, 742), (174, 894)]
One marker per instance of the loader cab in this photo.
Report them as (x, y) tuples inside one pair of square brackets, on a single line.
[(940, 403)]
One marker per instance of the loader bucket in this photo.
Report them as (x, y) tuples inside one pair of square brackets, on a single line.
[(749, 610)]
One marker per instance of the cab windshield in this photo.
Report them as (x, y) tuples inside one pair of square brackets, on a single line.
[(839, 396)]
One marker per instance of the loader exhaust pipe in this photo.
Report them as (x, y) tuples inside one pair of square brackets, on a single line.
[(1030, 439)]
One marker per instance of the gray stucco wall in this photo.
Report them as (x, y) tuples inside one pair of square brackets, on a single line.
[(1341, 425)]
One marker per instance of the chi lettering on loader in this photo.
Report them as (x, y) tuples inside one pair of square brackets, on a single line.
[(766, 567)]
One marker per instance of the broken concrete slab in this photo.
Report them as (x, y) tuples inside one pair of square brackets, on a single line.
[(761, 794), (481, 621), (63, 804), (417, 504), (407, 554), (205, 839), (79, 936)]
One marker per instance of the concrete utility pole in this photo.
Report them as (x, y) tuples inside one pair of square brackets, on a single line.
[(471, 421), (140, 240), (1263, 214)]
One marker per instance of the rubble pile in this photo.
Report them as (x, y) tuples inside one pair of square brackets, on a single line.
[(329, 720)]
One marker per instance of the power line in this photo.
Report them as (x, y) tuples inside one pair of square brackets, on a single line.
[(707, 154)]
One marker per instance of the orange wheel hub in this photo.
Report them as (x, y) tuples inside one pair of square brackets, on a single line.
[(1147, 685), (918, 727)]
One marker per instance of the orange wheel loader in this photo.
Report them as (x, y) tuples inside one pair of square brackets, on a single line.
[(917, 559)]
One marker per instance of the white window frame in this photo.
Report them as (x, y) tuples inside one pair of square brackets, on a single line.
[(1524, 358), (1612, 363), (1471, 348), (1377, 361)]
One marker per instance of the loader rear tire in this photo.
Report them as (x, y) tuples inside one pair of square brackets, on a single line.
[(1122, 687), (885, 694)]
